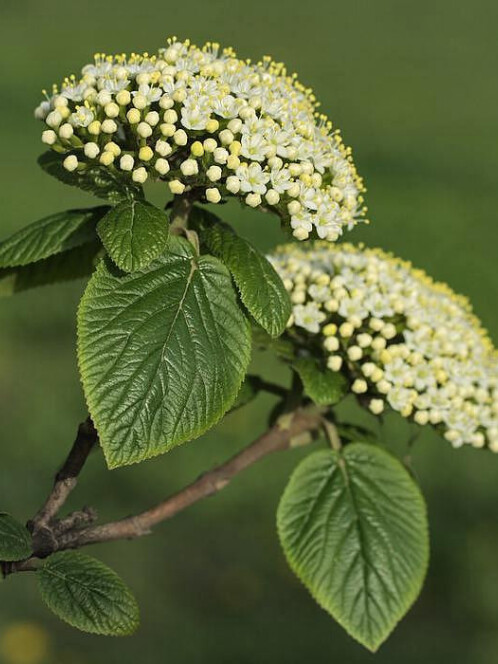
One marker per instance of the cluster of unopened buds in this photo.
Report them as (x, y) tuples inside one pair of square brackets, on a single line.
[(211, 124), (400, 338)]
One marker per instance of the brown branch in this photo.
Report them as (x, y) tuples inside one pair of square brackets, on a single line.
[(279, 437), (66, 478)]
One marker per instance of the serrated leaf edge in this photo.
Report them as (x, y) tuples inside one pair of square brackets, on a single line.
[(410, 597), (127, 631), (151, 453)]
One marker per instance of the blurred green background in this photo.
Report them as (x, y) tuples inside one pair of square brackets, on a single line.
[(413, 87)]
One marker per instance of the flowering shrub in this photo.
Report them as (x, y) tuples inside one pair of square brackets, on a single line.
[(400, 338), (208, 123), (176, 301)]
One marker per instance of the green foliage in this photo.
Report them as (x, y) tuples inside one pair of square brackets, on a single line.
[(353, 526), (74, 264), (88, 595), (101, 182), (51, 235), (15, 540), (162, 352), (261, 288), (134, 234), (323, 386)]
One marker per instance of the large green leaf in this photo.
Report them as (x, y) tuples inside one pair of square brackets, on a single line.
[(162, 352), (66, 266), (88, 595), (323, 386), (15, 540), (51, 235), (261, 289), (98, 180), (353, 526), (134, 234)]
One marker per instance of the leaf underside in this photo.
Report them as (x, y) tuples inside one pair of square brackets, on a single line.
[(66, 266), (162, 352), (261, 288), (353, 526), (51, 235), (88, 595), (15, 540), (134, 234)]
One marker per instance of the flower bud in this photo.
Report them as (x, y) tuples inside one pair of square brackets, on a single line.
[(226, 137), (253, 200), (233, 184), (180, 137), (272, 197), (49, 137), (91, 150), (111, 110), (53, 119), (189, 167), (376, 406), (140, 102), (163, 148), (144, 130), (220, 155), (212, 126), (123, 98), (213, 195), (70, 163), (210, 145), (106, 158), (66, 131), (197, 149), (126, 162), (176, 187), (145, 153), (214, 173), (133, 116), (170, 116), (334, 362), (109, 126), (152, 118), (161, 166), (139, 175)]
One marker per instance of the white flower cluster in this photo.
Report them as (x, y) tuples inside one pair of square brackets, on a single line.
[(400, 338), (212, 124)]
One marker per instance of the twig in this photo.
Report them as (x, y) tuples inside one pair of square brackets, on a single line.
[(66, 478), (271, 388), (180, 211), (275, 439)]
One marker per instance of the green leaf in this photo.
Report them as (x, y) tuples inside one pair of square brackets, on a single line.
[(88, 595), (66, 266), (323, 386), (162, 352), (261, 288), (98, 180), (134, 234), (353, 526), (58, 232), (15, 540)]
